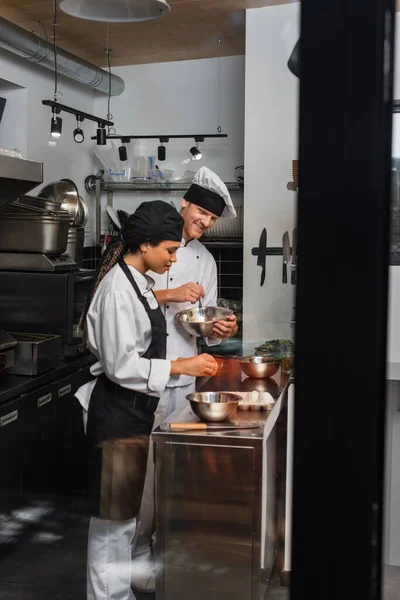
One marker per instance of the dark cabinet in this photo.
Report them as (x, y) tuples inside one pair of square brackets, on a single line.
[(10, 455), (39, 443), (43, 450), (72, 451)]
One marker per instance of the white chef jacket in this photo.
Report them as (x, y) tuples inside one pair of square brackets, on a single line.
[(194, 264), (119, 333)]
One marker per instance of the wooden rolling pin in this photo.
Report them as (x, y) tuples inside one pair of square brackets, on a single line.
[(205, 426)]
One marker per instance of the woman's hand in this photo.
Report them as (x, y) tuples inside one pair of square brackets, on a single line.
[(203, 365)]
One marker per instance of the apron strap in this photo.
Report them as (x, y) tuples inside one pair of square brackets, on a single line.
[(129, 275)]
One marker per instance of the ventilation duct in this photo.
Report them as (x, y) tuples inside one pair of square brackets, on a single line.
[(32, 48)]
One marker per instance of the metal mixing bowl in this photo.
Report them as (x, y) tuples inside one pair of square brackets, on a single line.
[(250, 384), (260, 366), (214, 406), (200, 321)]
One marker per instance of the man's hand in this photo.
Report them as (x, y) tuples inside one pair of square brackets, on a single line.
[(190, 292), (225, 329)]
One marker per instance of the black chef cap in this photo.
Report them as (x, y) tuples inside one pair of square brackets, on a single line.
[(205, 198), (155, 220)]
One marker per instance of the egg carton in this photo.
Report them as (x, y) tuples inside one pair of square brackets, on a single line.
[(256, 401)]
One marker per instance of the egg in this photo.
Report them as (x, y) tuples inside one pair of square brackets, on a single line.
[(267, 398)]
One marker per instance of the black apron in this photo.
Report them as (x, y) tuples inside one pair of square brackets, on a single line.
[(119, 426)]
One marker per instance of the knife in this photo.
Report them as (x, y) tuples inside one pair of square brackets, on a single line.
[(286, 255), (262, 253), (294, 258), (205, 426)]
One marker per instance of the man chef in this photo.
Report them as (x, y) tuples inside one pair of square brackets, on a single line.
[(191, 278)]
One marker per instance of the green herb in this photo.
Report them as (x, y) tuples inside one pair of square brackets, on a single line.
[(274, 345)]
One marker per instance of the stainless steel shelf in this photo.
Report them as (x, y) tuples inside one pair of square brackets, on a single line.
[(93, 183), (127, 186), (221, 242)]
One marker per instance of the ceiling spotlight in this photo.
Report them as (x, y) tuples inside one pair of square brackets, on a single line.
[(161, 150), (195, 152), (78, 134), (117, 11), (56, 124), (123, 154), (101, 135)]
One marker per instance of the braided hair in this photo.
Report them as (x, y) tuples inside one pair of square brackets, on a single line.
[(113, 253)]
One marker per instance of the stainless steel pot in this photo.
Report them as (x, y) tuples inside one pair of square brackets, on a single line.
[(83, 213), (76, 238), (44, 235)]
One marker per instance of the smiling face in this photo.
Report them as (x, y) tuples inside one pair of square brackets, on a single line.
[(197, 220), (159, 258)]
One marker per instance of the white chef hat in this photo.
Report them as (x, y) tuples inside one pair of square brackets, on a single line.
[(210, 192)]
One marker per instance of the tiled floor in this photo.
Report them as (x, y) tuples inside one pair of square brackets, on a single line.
[(43, 556), (43, 552), (391, 583), (391, 587)]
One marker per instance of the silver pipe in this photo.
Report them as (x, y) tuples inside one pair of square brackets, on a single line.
[(32, 48)]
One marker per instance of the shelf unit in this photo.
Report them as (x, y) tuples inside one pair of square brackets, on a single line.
[(126, 186), (168, 186), (208, 242), (221, 242)]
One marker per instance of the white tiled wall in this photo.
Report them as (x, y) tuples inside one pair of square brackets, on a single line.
[(271, 115)]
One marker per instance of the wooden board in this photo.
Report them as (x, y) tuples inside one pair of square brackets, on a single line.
[(194, 29)]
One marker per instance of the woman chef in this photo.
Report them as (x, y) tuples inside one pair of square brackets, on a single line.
[(126, 331)]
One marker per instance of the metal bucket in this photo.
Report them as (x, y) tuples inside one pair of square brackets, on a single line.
[(76, 239)]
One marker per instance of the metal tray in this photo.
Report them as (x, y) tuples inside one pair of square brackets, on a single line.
[(35, 353)]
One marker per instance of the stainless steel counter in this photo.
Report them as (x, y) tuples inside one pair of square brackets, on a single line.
[(217, 500)]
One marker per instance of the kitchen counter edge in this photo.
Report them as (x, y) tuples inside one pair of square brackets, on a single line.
[(14, 386)]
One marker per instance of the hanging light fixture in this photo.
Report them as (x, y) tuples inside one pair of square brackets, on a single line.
[(115, 11), (194, 151), (56, 122), (78, 134), (161, 150), (101, 135), (196, 154), (161, 153), (123, 153)]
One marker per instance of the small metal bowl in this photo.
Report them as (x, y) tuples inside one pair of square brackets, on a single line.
[(250, 384), (214, 406), (260, 367), (200, 321)]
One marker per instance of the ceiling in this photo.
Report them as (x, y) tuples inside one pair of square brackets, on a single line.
[(191, 30)]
